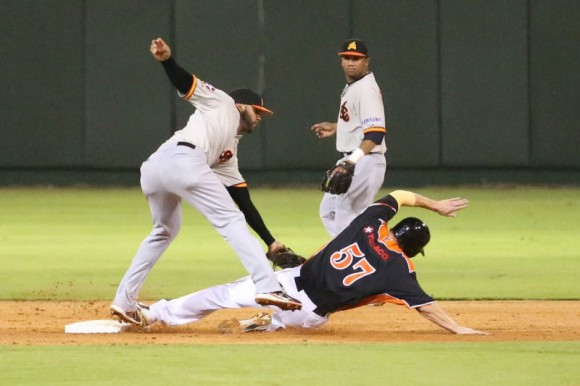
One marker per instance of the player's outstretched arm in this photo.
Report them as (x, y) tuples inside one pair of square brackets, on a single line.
[(181, 79), (324, 129), (241, 196), (448, 207), (437, 315)]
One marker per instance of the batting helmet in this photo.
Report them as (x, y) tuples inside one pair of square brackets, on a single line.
[(412, 235)]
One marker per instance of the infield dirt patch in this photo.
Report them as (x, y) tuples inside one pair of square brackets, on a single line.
[(42, 323)]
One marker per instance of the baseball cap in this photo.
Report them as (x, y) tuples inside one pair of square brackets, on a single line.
[(354, 47), (246, 96)]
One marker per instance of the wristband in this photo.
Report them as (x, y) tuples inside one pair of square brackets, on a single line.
[(356, 155), (404, 197)]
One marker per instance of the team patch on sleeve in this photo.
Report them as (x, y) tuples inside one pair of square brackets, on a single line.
[(372, 120)]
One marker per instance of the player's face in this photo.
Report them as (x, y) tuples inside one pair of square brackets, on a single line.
[(354, 67), (249, 119)]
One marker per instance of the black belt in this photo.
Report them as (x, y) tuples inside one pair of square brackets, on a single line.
[(191, 145), (346, 153), (300, 287), (319, 312), (298, 281)]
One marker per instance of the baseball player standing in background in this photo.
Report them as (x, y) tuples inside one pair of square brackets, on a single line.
[(360, 138), (369, 262), (196, 164)]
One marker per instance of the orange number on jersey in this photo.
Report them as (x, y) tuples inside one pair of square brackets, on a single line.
[(343, 258), (367, 269)]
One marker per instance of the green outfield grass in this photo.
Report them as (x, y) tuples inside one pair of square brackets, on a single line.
[(73, 243), (77, 243), (514, 364)]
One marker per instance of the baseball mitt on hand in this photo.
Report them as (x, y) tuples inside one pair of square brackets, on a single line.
[(285, 258), (338, 179)]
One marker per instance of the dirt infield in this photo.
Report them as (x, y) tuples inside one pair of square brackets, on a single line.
[(42, 323)]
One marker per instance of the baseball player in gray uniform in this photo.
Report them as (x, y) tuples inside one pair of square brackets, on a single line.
[(360, 131), (197, 164)]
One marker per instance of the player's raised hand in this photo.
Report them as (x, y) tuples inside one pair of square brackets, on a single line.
[(160, 50), (450, 206)]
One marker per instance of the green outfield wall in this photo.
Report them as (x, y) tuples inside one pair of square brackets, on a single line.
[(475, 91)]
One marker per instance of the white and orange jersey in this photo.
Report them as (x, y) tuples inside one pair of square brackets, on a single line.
[(214, 125), (361, 111), (227, 170)]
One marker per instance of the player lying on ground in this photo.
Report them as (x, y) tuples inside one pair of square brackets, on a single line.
[(367, 263)]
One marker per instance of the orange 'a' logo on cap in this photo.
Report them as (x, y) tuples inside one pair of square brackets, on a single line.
[(351, 46)]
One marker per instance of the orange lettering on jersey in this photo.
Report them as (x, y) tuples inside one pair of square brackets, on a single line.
[(372, 241), (365, 269), (344, 112), (226, 155), (343, 258)]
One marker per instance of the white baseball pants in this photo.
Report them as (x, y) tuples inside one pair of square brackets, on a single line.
[(239, 294)]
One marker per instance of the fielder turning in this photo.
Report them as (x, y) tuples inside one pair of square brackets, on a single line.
[(196, 164), (367, 263), (360, 131)]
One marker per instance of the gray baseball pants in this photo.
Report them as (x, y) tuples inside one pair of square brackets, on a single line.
[(174, 173), (337, 211)]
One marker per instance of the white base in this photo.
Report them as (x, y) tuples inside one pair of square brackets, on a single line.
[(104, 326)]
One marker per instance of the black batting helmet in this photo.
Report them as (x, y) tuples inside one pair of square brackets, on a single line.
[(412, 235)]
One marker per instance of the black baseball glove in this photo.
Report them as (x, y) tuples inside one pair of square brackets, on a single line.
[(285, 258), (337, 180)]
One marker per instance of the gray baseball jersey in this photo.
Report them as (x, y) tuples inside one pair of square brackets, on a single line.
[(213, 128), (194, 165), (361, 111)]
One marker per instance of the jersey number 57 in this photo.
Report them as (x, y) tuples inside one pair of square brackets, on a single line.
[(346, 257)]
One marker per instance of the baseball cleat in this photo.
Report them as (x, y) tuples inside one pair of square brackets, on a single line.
[(144, 314), (125, 316), (258, 322), (279, 299)]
